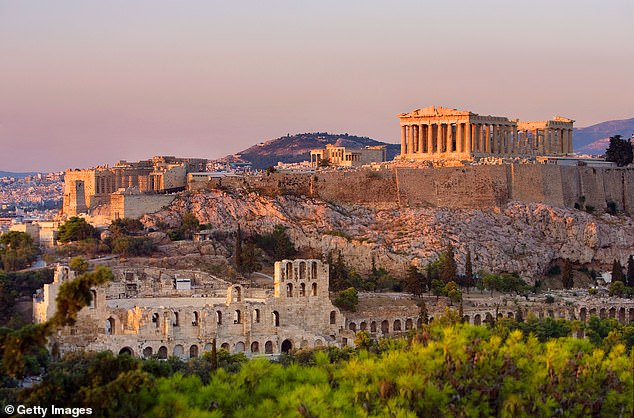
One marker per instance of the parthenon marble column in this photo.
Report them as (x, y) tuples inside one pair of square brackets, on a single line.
[(468, 139), (430, 131)]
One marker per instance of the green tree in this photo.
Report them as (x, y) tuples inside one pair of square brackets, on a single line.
[(448, 268), (452, 292), (133, 246), (630, 271), (438, 288), (237, 252), (249, 259), (277, 244), (347, 299), (468, 271), (567, 275), (619, 151), (617, 272), (17, 251), (125, 226), (75, 229), (78, 265), (415, 281), (189, 224), (617, 288)]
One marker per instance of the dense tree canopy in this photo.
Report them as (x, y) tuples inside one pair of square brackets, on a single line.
[(619, 151), (75, 229), (17, 251)]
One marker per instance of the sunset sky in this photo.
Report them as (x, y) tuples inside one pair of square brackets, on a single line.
[(90, 82)]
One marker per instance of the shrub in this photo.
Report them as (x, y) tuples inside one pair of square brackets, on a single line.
[(347, 299)]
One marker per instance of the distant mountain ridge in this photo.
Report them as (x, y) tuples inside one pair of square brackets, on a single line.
[(595, 139), (16, 175), (296, 148)]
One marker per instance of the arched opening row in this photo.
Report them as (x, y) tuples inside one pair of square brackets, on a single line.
[(385, 326)]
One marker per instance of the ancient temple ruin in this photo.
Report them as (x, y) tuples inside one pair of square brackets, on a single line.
[(442, 133)]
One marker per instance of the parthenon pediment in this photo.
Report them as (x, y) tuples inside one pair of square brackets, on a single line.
[(562, 119), (436, 111)]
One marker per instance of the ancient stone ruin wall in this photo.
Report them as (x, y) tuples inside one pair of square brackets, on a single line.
[(145, 313)]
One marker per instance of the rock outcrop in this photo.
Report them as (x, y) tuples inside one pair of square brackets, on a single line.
[(517, 237)]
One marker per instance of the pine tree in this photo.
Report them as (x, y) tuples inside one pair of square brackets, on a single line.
[(619, 151), (630, 271), (237, 254), (566, 276), (617, 272), (448, 266), (468, 271)]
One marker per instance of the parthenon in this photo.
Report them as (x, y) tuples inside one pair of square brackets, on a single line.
[(443, 133)]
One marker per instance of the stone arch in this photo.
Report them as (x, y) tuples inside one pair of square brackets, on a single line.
[(510, 314), (302, 289), (373, 326), (622, 315), (602, 313), (239, 348), (289, 290), (179, 351), (419, 323), (304, 344), (219, 317), (488, 318), (276, 318), (287, 345), (465, 319), (333, 317), (162, 353), (363, 326), (313, 289), (477, 319), (256, 316), (319, 343), (593, 311), (289, 271), (268, 347), (397, 325), (255, 347), (237, 293), (110, 327), (225, 346), (147, 352), (500, 315), (352, 327), (631, 315), (93, 298), (193, 351), (409, 324), (583, 313), (385, 327), (195, 319), (175, 319), (126, 350), (302, 270), (237, 317), (612, 312), (155, 319), (313, 270)]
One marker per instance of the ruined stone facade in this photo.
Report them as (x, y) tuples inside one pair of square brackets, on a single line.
[(441, 133), (159, 312), (348, 157), (85, 190), (156, 312)]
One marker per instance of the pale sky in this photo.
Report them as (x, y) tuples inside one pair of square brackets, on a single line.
[(91, 82)]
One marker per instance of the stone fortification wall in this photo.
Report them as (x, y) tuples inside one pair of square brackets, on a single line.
[(468, 187), (135, 206)]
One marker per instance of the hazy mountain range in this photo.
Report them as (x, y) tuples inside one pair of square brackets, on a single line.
[(594, 139)]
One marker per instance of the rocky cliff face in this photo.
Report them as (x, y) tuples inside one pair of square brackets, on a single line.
[(517, 237)]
